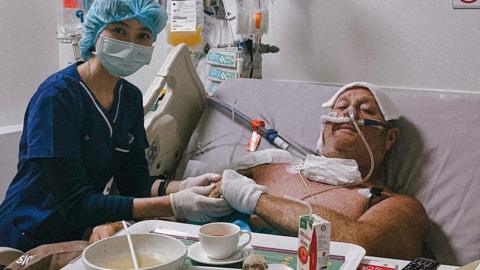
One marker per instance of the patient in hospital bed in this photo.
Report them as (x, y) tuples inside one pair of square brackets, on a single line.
[(361, 209)]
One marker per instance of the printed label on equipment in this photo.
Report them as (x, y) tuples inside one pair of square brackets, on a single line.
[(220, 74), (227, 59), (183, 15)]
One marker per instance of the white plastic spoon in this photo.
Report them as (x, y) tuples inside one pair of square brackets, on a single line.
[(130, 245)]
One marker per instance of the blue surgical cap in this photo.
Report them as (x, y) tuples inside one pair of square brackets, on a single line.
[(103, 12)]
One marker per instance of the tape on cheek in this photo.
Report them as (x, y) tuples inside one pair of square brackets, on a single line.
[(335, 119), (319, 146)]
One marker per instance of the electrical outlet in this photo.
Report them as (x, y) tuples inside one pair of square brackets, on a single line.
[(466, 3)]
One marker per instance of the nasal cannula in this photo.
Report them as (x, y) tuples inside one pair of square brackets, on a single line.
[(363, 122)]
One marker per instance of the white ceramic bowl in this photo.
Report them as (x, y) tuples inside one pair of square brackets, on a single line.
[(99, 255)]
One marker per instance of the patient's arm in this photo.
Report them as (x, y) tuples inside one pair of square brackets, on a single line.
[(395, 227), (103, 231)]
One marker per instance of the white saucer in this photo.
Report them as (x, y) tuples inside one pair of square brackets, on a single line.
[(196, 253)]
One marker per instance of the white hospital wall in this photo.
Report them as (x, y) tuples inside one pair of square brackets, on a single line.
[(28, 54), (400, 43), (8, 159), (396, 43)]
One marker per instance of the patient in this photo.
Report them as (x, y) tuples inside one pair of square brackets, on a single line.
[(365, 213)]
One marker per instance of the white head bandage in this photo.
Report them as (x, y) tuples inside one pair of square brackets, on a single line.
[(386, 105)]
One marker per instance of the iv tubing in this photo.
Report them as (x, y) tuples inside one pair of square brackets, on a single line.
[(246, 121)]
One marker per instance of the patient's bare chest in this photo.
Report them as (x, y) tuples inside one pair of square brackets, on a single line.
[(279, 182)]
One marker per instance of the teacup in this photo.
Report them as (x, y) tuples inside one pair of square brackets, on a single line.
[(220, 240)]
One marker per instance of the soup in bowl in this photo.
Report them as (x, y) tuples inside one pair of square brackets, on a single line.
[(153, 251)]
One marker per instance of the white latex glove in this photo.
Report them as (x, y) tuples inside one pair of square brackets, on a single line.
[(241, 192), (195, 205), (201, 180)]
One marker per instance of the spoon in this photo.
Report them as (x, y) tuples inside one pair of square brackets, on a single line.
[(130, 245)]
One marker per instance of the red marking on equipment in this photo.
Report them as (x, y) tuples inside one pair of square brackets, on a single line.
[(468, 1), (257, 123), (71, 4)]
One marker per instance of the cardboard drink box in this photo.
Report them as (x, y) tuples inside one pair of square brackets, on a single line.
[(313, 243)]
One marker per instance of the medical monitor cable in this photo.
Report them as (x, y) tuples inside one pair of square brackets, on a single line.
[(307, 188)]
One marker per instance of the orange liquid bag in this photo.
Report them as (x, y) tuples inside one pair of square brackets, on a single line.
[(191, 38)]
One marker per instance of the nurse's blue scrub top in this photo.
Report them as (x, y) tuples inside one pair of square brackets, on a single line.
[(69, 149)]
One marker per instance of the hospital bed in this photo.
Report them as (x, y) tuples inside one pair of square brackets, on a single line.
[(436, 158)]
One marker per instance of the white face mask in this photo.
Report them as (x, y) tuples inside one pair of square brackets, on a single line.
[(121, 58), (331, 171)]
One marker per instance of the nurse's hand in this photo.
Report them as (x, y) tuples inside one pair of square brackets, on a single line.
[(201, 180), (194, 204), (103, 231)]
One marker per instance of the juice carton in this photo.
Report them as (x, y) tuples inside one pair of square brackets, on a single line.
[(313, 243)]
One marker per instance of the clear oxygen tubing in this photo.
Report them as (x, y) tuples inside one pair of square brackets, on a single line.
[(351, 114), (271, 135), (356, 123), (310, 209), (344, 119)]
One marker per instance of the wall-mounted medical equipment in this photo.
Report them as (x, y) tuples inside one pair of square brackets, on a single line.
[(223, 64), (234, 40)]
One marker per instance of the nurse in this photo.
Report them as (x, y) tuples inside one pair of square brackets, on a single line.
[(83, 127)]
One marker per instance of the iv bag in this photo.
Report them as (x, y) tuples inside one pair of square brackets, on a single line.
[(70, 16), (185, 22), (252, 17)]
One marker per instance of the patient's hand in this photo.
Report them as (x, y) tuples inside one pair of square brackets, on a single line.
[(216, 193), (103, 231)]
